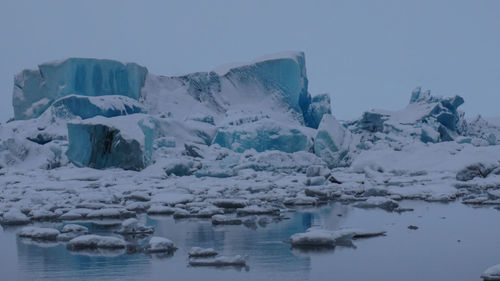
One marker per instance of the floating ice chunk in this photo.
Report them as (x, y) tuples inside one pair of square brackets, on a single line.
[(85, 107), (123, 142), (172, 198), (35, 90), (378, 202), (314, 237), (14, 216), (42, 214), (75, 214), (319, 238), (139, 196), (39, 233), (219, 261), (133, 226), (230, 203), (92, 241), (223, 219), (161, 210), (264, 135), (202, 252), (301, 200), (182, 214), (160, 245), (209, 211), (71, 231), (491, 273), (110, 213)]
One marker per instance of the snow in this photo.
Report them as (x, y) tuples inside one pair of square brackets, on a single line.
[(492, 273), (218, 261), (202, 252), (92, 241), (160, 245)]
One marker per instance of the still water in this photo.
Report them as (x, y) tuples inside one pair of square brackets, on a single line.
[(452, 242)]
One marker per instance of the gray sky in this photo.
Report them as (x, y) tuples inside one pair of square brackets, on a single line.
[(366, 54)]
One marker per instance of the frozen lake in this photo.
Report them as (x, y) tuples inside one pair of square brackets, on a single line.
[(453, 242)]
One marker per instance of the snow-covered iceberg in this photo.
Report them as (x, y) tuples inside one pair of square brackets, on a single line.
[(35, 90)]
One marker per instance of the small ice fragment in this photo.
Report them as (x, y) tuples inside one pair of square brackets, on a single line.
[(202, 252)]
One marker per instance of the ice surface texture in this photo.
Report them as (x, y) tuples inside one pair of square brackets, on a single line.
[(35, 90)]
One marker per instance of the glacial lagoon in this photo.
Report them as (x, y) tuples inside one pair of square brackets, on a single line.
[(453, 241)]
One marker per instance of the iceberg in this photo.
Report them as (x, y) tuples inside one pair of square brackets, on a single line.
[(35, 90), (123, 142)]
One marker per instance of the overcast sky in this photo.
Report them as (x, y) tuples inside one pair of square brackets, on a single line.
[(366, 54)]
